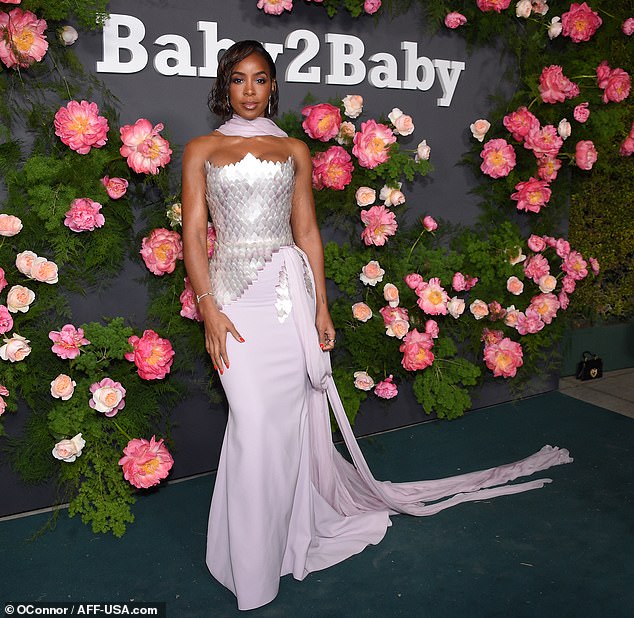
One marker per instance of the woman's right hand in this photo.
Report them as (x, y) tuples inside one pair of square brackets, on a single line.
[(217, 325)]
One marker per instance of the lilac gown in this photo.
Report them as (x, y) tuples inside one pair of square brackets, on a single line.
[(285, 501)]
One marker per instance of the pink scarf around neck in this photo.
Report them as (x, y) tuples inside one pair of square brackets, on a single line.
[(240, 127)]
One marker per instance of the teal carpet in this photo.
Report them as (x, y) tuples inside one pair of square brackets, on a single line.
[(564, 550)]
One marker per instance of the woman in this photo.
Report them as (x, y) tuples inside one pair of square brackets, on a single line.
[(284, 501)]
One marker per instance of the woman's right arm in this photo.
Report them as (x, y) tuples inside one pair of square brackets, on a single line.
[(194, 209)]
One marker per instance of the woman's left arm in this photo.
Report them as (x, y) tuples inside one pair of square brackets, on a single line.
[(308, 238)]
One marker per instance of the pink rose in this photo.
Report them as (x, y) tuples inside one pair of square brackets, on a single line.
[(628, 26), (479, 128), (371, 6), (390, 294), (580, 22), (372, 273), (144, 463), (575, 266), (617, 87), (585, 154), (69, 450), (581, 112), (432, 297), (504, 358), (546, 306), (536, 267), (80, 126), (68, 341), (548, 167), (9, 224), (84, 215), (455, 307), (372, 144), (496, 311), (365, 196), (63, 387), (594, 264), (15, 349), (332, 169), (413, 280), (352, 105), (361, 312), (144, 149), (152, 355), (24, 262), (540, 7), (115, 187), (562, 247), (160, 250), (22, 38), (531, 195), (107, 397), (454, 20), (19, 298), (498, 158), (6, 320), (520, 122), (403, 124), (529, 323), (554, 86), (386, 389), (479, 309), (429, 223), (536, 243), (379, 224), (543, 141), (44, 271), (493, 5), (416, 348), (322, 121), (363, 381), (514, 286)]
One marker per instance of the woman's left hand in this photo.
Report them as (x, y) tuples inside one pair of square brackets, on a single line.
[(325, 330)]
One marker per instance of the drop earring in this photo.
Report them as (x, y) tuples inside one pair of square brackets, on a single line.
[(269, 108)]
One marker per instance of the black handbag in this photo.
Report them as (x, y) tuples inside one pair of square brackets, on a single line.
[(590, 367)]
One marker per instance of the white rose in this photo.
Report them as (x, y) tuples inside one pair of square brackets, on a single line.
[(555, 28), (392, 196), (19, 298), (107, 398), (423, 151), (456, 306), (15, 349), (523, 8), (353, 105), (69, 450), (363, 381), (68, 35), (365, 196), (564, 129), (479, 128), (24, 262)]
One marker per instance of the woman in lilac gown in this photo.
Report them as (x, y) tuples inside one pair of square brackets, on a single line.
[(284, 501)]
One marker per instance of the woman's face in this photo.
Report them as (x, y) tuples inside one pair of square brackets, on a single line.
[(250, 86)]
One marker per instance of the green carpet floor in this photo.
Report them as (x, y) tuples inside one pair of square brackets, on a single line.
[(564, 550)]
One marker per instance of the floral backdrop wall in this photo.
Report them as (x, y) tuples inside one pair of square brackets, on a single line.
[(434, 306)]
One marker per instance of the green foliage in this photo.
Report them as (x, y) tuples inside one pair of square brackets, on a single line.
[(89, 14)]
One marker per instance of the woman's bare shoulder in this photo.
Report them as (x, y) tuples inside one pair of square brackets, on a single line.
[(203, 147), (298, 149)]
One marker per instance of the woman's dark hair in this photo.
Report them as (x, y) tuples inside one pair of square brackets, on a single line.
[(219, 95)]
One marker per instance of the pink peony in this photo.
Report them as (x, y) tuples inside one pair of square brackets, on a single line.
[(332, 169), (189, 308), (152, 355), (10, 225), (493, 5), (554, 86), (564, 300), (628, 26), (143, 147), (22, 39), (379, 224), (273, 7), (594, 264), (80, 126), (413, 280), (108, 397), (627, 147), (386, 389), (536, 243), (562, 247), (531, 195), (546, 306), (498, 158), (145, 463), (371, 6), (568, 284), (432, 329), (160, 250), (416, 348), (548, 168), (6, 320), (322, 121), (520, 122), (503, 358), (529, 323), (585, 154), (543, 141), (3, 393), (536, 267), (617, 86), (575, 266), (393, 314), (603, 72), (3, 280), (580, 22), (371, 144), (429, 223), (84, 215), (115, 187), (432, 297), (491, 336), (581, 112), (68, 341), (455, 20)]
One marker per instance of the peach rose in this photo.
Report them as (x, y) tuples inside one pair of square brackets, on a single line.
[(353, 105), (403, 124), (479, 309), (423, 152), (397, 328), (15, 349), (514, 286), (390, 293), (63, 387), (547, 283), (9, 225), (363, 381), (69, 450), (346, 133), (361, 312), (392, 196), (19, 298), (175, 214), (372, 273), (44, 271), (479, 128), (107, 396), (516, 256), (510, 319), (24, 262), (365, 196)]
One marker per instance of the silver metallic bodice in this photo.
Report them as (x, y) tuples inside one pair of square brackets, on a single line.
[(250, 206)]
